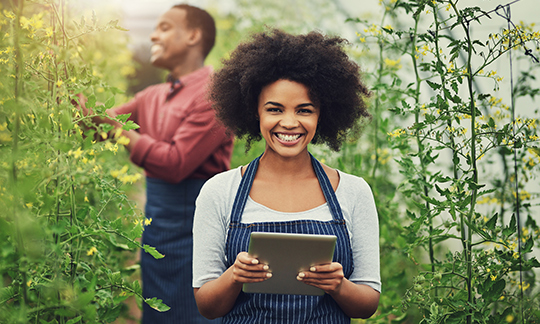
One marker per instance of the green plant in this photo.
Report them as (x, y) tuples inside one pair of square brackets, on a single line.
[(477, 265), (66, 221)]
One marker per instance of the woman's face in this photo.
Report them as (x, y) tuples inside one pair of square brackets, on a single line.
[(288, 117)]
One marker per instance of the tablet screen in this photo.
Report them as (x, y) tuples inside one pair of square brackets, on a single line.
[(287, 255)]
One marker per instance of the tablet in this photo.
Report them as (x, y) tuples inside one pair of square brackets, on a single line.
[(287, 255)]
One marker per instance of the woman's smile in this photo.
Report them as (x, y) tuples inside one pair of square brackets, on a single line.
[(288, 139)]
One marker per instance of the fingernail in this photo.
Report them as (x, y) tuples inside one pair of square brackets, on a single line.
[(312, 269), (254, 261), (269, 275), (266, 267), (299, 278), (301, 275)]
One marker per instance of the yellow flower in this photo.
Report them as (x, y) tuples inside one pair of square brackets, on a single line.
[(86, 199), (147, 221), (493, 277), (397, 133), (59, 83), (393, 63), (111, 147), (123, 140), (117, 133), (77, 154), (9, 14), (29, 282), (91, 251), (510, 318)]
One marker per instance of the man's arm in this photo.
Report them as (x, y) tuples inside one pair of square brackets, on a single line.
[(193, 142)]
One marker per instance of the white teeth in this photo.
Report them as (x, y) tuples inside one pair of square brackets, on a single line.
[(288, 138), (155, 48)]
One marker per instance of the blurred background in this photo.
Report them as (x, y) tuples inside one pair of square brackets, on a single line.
[(237, 18)]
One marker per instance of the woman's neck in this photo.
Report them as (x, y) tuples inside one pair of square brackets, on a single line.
[(279, 167)]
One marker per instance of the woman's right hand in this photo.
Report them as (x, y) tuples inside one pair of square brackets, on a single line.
[(247, 269), (217, 297)]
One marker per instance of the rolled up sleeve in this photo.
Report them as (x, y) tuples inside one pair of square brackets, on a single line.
[(193, 142)]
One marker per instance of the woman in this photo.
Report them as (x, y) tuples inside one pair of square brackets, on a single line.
[(291, 91)]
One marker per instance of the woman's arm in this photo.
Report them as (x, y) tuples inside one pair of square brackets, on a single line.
[(357, 301), (217, 297)]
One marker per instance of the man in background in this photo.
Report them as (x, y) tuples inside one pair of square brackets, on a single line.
[(180, 145)]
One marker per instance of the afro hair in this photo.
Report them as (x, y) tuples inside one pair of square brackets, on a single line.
[(314, 60)]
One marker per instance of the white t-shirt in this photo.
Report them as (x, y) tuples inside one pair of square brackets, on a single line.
[(213, 212)]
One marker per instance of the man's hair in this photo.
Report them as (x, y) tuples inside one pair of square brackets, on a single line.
[(199, 18), (314, 60)]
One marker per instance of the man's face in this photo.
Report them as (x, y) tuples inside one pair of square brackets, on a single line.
[(171, 39)]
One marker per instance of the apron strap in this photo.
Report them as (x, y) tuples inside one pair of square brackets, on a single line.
[(247, 181), (327, 189), (243, 191)]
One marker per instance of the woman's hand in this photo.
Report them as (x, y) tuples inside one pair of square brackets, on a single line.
[(247, 269), (328, 277), (217, 297), (356, 300)]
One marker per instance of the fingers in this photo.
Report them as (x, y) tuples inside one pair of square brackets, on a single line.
[(249, 269), (327, 277)]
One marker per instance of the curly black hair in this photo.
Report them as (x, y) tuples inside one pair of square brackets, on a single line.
[(314, 60)]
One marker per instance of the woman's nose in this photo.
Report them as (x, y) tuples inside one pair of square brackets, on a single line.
[(289, 120)]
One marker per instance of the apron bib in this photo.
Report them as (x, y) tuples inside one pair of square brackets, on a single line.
[(273, 308), (171, 208)]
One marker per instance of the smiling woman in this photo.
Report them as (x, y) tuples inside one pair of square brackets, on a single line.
[(291, 91)]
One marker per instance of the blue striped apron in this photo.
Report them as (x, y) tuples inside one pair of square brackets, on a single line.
[(171, 208), (273, 308)]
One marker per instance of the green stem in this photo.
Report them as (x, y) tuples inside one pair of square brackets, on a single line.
[(474, 170), (19, 66), (377, 107), (419, 142)]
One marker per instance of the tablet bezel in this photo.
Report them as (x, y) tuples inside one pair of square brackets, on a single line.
[(287, 254)]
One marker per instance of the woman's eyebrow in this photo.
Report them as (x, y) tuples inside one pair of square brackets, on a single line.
[(273, 103), (307, 104)]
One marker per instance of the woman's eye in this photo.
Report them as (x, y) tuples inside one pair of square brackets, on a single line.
[(273, 110), (305, 111)]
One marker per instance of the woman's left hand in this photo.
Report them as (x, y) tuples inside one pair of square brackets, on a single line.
[(327, 277)]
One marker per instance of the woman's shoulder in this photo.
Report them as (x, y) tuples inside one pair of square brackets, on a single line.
[(224, 179), (350, 184), (219, 190)]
